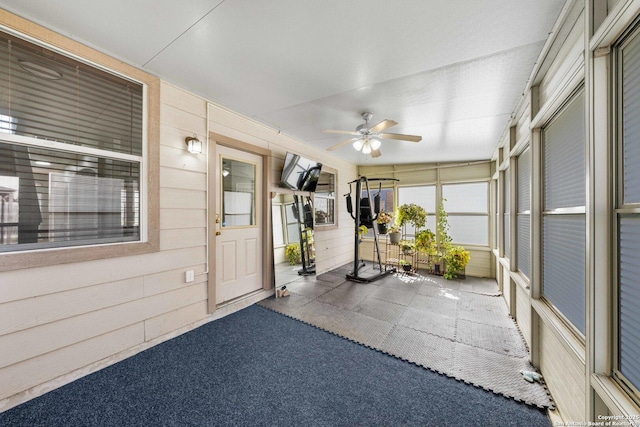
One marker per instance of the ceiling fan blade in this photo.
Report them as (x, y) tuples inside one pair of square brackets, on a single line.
[(376, 153), (412, 138), (343, 132), (385, 124), (343, 143)]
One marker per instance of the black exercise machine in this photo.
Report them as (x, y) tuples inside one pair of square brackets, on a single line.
[(364, 215), (303, 212)]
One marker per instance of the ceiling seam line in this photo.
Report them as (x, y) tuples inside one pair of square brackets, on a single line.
[(182, 33)]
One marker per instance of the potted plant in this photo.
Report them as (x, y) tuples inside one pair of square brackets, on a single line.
[(426, 242), (406, 265), (383, 221), (407, 246), (394, 235), (362, 231), (410, 213), (456, 259), (293, 253)]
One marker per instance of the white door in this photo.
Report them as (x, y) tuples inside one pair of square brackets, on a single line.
[(239, 221)]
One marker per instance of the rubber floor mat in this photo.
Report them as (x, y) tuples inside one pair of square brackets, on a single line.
[(459, 328)]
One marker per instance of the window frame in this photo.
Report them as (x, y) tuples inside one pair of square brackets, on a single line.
[(329, 225), (528, 212), (486, 214), (619, 209), (149, 166), (562, 211)]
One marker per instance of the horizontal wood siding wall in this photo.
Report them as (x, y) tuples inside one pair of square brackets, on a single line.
[(564, 374), (59, 319), (523, 313)]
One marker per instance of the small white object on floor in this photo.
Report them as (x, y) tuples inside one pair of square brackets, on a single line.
[(531, 376)]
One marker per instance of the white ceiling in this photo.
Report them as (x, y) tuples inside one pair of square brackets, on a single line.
[(450, 71)]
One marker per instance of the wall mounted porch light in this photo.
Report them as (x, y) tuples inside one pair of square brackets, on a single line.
[(194, 145)]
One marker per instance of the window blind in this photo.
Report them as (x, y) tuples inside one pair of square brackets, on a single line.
[(523, 227), (563, 258), (629, 297), (631, 122), (564, 236), (524, 244), (86, 188), (50, 96), (524, 179), (564, 158), (506, 216)]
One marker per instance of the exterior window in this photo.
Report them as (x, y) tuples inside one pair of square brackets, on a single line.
[(71, 151), (563, 216), (278, 228), (627, 215), (523, 239), (325, 199), (507, 214), (386, 201), (293, 227), (424, 196), (467, 207)]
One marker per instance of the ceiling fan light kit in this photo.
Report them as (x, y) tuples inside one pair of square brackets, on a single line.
[(368, 139)]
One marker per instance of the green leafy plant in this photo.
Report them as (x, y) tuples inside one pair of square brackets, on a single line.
[(362, 231), (456, 258), (407, 246), (293, 254), (426, 242), (394, 229), (442, 230), (410, 213)]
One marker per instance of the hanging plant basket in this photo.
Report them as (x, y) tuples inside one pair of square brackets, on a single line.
[(382, 228)]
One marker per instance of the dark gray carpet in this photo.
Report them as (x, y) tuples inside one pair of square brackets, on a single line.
[(257, 367)]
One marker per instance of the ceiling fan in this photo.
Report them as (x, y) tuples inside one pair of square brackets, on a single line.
[(368, 139)]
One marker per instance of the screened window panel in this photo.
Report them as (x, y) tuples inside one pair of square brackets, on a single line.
[(324, 211), (506, 219), (507, 236), (631, 121), (424, 196), (467, 197), (629, 298), (278, 226), (524, 242), (293, 228), (326, 185), (50, 96), (467, 229), (563, 262), (564, 158), (59, 199), (386, 199), (507, 191), (524, 179)]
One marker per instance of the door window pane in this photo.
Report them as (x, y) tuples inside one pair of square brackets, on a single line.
[(238, 189)]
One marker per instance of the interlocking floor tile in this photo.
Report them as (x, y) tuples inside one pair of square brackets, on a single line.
[(460, 328)]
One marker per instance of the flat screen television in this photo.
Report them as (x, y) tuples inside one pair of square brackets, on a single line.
[(300, 173)]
